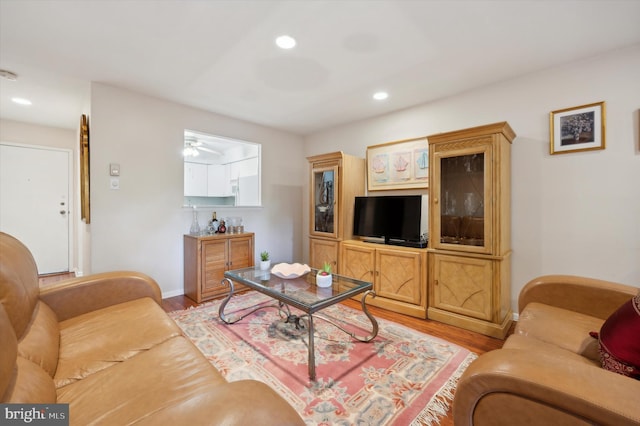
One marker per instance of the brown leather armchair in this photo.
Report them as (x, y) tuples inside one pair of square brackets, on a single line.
[(549, 372)]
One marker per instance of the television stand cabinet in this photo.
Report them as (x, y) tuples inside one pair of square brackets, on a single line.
[(399, 274)]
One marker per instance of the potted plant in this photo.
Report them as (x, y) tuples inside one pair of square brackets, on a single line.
[(323, 278), (265, 263)]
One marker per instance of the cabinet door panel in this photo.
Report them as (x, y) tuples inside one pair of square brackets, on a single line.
[(214, 263), (463, 285), (240, 253), (358, 263), (398, 276), (195, 179), (461, 206), (323, 251), (218, 181)]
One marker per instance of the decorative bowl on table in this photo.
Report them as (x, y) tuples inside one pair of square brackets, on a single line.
[(289, 271)]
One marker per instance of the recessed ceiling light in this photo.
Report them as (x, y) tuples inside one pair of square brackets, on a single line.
[(21, 101), (285, 42), (380, 96)]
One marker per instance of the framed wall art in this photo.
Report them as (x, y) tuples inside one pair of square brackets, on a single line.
[(85, 208), (579, 128), (398, 165)]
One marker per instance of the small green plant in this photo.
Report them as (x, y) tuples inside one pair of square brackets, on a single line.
[(264, 256), (326, 269)]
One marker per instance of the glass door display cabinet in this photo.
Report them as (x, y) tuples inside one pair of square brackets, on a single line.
[(463, 216), (470, 228), (336, 179), (324, 202)]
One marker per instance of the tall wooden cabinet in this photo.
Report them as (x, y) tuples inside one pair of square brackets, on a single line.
[(470, 228), (336, 179), (206, 258), (399, 274)]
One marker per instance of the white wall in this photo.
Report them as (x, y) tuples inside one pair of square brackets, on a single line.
[(575, 213), (33, 134), (140, 226)]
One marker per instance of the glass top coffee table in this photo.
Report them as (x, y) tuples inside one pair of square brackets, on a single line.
[(303, 294)]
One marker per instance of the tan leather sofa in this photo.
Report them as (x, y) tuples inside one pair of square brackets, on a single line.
[(103, 345), (548, 372)]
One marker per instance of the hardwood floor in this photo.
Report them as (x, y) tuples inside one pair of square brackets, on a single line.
[(475, 342)]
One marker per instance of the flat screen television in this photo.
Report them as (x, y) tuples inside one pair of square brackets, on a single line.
[(396, 219)]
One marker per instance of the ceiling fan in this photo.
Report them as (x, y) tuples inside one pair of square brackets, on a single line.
[(193, 146)]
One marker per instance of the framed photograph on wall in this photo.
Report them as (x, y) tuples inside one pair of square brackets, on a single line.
[(579, 128), (398, 165)]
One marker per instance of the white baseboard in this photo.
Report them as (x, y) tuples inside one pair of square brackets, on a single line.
[(173, 293), (516, 316)]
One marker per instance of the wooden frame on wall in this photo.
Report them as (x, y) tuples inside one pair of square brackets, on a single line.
[(85, 208), (580, 128), (398, 165)]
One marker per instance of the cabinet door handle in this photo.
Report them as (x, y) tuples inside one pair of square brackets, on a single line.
[(435, 282), (435, 201)]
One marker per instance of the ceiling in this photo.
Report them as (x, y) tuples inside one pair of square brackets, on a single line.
[(220, 55)]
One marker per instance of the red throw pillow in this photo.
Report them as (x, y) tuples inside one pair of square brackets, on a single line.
[(620, 340)]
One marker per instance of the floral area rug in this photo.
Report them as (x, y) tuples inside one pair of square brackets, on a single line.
[(402, 377)]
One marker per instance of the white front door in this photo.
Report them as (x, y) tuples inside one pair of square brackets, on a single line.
[(34, 202)]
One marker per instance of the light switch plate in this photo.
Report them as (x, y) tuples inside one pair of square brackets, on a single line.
[(115, 183), (114, 169)]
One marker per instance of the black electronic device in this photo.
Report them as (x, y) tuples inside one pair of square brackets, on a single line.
[(393, 219)]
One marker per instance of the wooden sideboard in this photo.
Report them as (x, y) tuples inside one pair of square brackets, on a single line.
[(206, 258)]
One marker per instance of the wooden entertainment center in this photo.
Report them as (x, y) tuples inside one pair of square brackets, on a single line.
[(463, 277)]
